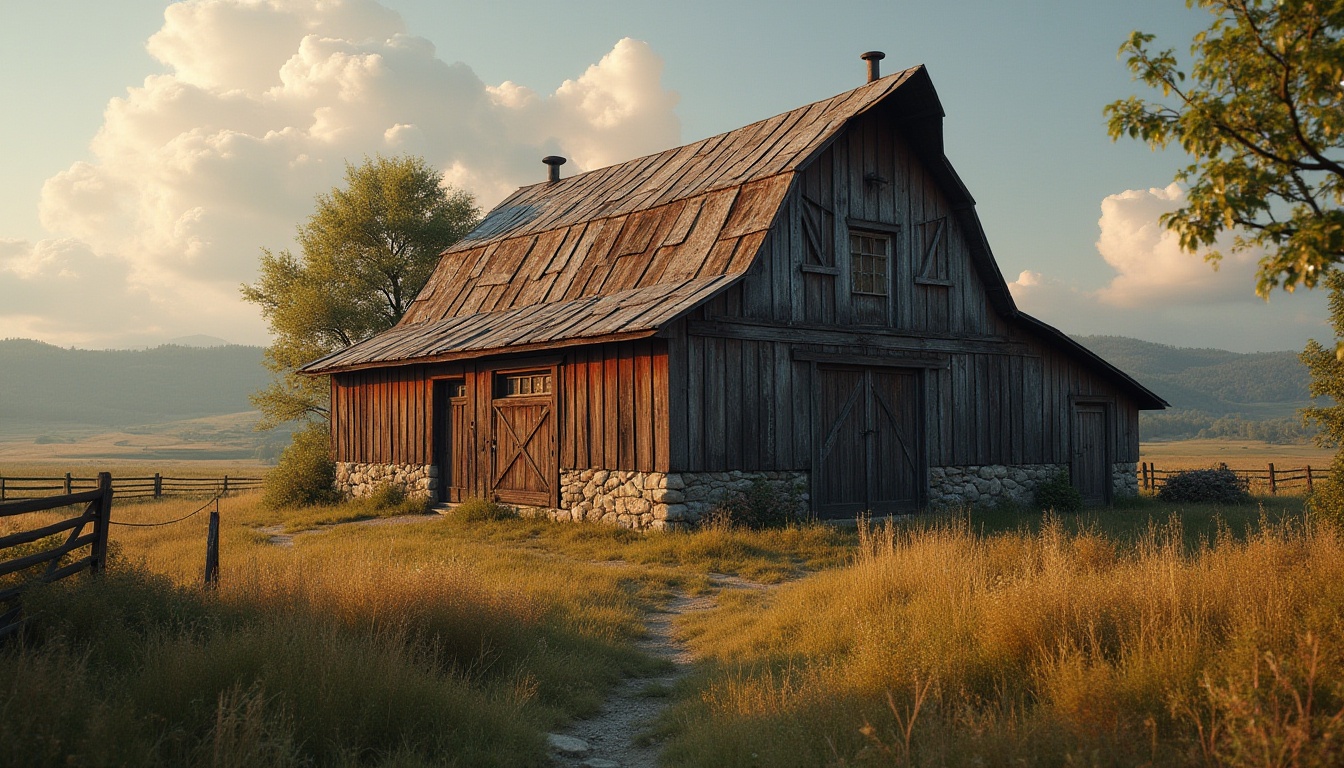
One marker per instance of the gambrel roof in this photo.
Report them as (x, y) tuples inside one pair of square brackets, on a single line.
[(621, 252), (661, 233)]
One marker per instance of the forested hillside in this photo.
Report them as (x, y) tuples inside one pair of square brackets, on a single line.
[(49, 388), (1213, 392)]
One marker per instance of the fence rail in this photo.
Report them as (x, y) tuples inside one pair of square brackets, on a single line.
[(1271, 478), (24, 551), (148, 487)]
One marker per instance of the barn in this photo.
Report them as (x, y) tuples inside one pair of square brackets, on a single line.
[(808, 301)]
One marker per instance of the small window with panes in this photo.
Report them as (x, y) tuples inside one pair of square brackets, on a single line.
[(869, 262), (523, 384)]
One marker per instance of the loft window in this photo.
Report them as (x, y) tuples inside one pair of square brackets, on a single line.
[(523, 384), (869, 256)]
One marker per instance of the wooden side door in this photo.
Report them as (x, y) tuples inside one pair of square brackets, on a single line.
[(1091, 467), (454, 440), (840, 467), (523, 438), (868, 440), (895, 454)]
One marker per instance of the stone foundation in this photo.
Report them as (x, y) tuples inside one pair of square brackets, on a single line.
[(359, 480), (656, 500), (986, 485), (1124, 480)]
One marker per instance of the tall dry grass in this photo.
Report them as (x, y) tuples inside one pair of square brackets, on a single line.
[(943, 646)]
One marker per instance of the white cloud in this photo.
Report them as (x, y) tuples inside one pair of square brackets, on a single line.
[(194, 170), (1152, 270), (1162, 293)]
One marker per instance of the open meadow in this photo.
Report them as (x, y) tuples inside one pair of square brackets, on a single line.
[(349, 635)]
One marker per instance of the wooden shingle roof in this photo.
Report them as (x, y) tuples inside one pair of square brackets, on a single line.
[(667, 225)]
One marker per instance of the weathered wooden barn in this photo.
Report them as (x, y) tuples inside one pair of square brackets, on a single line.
[(808, 300)]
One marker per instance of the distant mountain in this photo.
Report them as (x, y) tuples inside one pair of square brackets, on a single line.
[(1211, 380), (199, 340), (50, 388)]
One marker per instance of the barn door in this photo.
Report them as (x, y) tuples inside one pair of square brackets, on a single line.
[(868, 438), (453, 440), (1091, 443), (522, 449)]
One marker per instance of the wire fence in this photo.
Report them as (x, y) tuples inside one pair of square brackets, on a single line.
[(1272, 480), (148, 487)]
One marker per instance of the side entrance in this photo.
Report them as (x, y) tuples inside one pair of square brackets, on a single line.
[(867, 438), (1091, 464), (495, 436)]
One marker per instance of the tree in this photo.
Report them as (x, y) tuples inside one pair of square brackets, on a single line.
[(367, 250), (1327, 380), (1262, 116)]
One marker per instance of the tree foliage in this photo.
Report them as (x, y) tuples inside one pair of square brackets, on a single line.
[(1327, 380), (1262, 115), (366, 251)]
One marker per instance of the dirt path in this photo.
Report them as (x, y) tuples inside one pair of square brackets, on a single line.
[(279, 538), (608, 740)]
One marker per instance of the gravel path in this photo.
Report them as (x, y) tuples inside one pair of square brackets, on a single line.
[(608, 740)]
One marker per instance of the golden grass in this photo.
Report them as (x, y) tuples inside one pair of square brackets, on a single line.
[(431, 642), (1238, 454), (943, 646)]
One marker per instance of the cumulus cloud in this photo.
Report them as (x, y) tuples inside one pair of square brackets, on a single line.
[(195, 169), (1151, 268), (1162, 293)]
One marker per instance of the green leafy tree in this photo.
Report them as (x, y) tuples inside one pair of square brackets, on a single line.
[(1262, 115), (1327, 380), (366, 251)]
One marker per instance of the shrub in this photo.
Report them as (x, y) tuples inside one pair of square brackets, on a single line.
[(761, 505), (1205, 486), (305, 474), (1326, 501), (480, 510), (1058, 494), (389, 499)]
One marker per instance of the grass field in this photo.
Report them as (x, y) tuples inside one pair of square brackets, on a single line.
[(1146, 634), (1237, 454)]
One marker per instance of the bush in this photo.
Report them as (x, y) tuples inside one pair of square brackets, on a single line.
[(480, 510), (1326, 502), (1058, 494), (1205, 486), (388, 499), (305, 474), (762, 505)]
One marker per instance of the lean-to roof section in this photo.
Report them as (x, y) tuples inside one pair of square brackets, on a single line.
[(629, 314)]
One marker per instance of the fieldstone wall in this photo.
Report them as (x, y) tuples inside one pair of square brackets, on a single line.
[(359, 480), (984, 485), (655, 500), (1124, 479)]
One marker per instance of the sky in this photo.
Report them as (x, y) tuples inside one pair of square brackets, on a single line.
[(152, 150)]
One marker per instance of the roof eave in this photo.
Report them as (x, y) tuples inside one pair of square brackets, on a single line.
[(1147, 399)]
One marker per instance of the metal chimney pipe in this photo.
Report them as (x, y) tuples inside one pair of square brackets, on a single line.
[(873, 57), (553, 173)]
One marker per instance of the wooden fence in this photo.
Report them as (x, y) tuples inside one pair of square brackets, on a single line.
[(149, 487), (24, 552), (1271, 479)]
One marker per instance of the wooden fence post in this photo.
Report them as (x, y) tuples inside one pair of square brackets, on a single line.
[(1309, 488), (67, 484), (2, 487), (158, 485), (1273, 483), (212, 549), (226, 485), (101, 523)]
